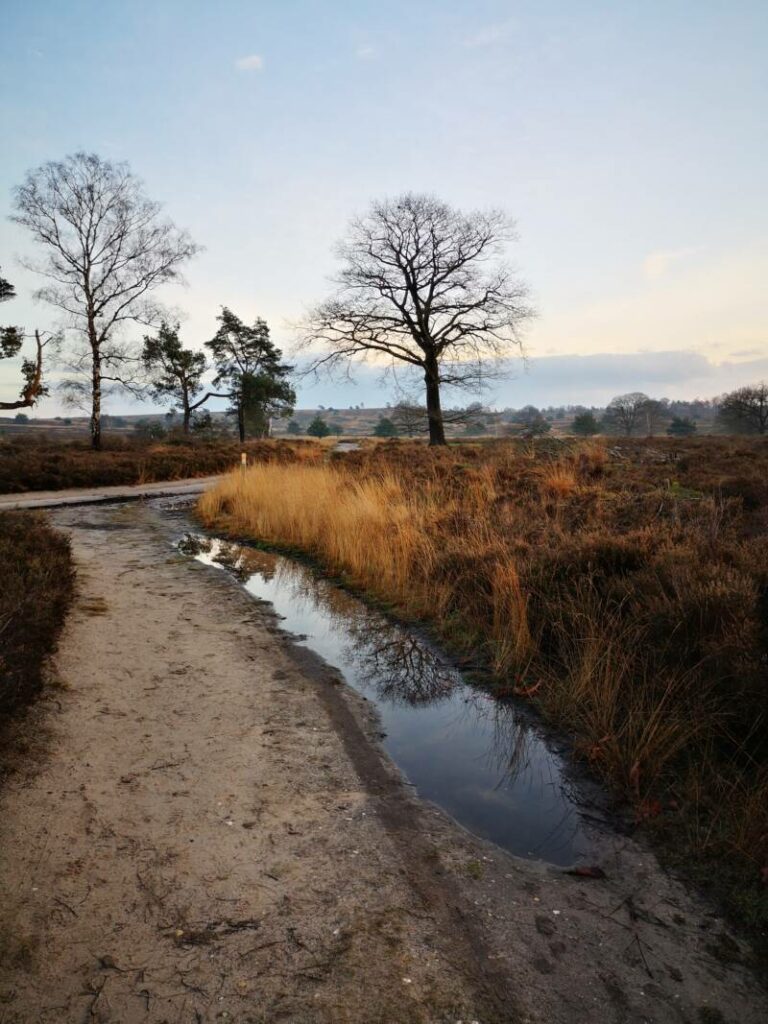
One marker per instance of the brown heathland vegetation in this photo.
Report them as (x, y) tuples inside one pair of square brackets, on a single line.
[(36, 592), (30, 464), (622, 588)]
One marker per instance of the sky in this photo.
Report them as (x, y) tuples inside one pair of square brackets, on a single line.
[(627, 139)]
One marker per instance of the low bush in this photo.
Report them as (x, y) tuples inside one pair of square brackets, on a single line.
[(37, 590), (31, 465)]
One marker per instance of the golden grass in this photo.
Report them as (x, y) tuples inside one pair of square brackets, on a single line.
[(369, 530)]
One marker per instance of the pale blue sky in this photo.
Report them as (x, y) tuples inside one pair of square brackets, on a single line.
[(627, 139)]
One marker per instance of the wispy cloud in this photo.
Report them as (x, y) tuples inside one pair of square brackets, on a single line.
[(490, 34), (253, 62), (656, 264), (365, 52)]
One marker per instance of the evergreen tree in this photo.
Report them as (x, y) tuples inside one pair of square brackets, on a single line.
[(385, 428), (318, 428), (263, 396), (585, 424), (176, 372), (681, 427), (249, 368)]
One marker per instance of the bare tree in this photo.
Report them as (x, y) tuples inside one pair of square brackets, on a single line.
[(11, 341), (423, 285), (746, 410), (626, 411), (410, 418), (653, 413), (107, 250)]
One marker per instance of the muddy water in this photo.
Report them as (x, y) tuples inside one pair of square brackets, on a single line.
[(471, 754)]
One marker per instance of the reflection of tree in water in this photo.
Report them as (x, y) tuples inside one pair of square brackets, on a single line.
[(244, 562), (241, 561), (194, 544), (510, 750), (400, 666), (509, 768), (514, 752)]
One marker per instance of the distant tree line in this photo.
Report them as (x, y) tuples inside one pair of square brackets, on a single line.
[(635, 414)]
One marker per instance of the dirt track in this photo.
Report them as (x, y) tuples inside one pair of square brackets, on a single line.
[(99, 495), (199, 825)]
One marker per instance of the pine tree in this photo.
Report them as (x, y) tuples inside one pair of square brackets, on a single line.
[(176, 372), (251, 373)]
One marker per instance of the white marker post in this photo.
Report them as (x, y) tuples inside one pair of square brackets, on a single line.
[(243, 461)]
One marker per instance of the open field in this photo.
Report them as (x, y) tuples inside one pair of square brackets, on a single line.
[(623, 589), (31, 465)]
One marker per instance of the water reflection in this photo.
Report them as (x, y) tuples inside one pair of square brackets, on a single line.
[(469, 753), (399, 664)]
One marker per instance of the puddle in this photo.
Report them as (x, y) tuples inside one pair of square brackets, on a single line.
[(475, 756)]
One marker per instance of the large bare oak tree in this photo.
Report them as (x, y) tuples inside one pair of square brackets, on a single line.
[(745, 410), (425, 286), (626, 411), (107, 250)]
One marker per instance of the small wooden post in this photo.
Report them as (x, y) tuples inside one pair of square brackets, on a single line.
[(243, 461)]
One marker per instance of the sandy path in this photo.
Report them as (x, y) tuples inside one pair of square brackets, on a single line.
[(97, 495), (208, 831)]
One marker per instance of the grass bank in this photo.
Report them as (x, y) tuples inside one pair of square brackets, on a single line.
[(621, 588), (39, 465), (37, 589)]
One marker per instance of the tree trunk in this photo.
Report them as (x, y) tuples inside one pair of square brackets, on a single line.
[(95, 343), (34, 387), (96, 402), (434, 412), (241, 421), (187, 415)]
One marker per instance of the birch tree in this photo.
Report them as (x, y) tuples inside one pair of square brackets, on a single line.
[(107, 249)]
